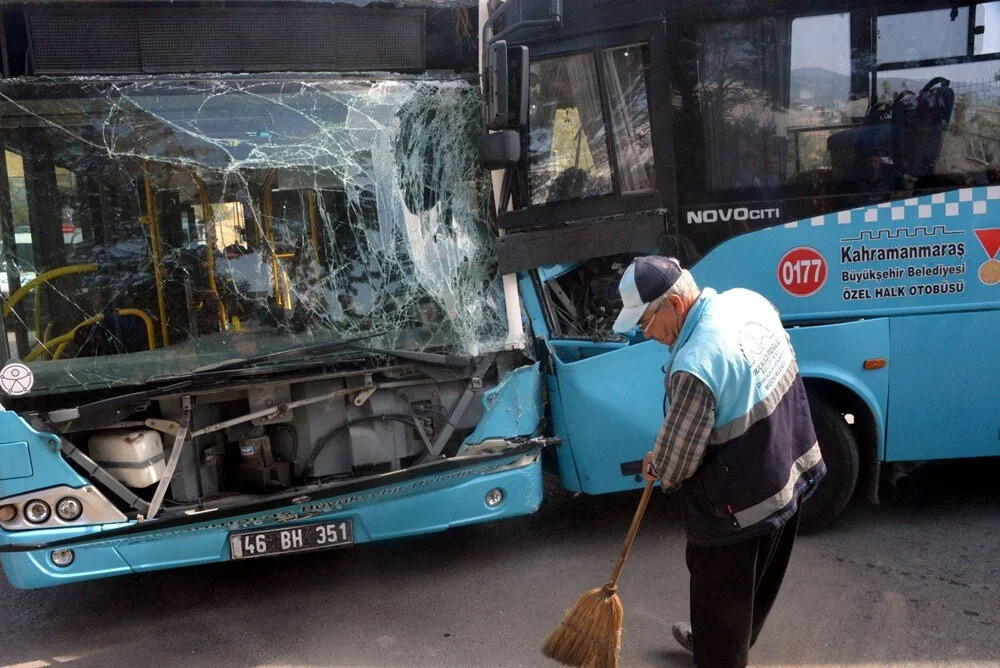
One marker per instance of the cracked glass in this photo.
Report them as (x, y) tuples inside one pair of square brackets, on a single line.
[(156, 226)]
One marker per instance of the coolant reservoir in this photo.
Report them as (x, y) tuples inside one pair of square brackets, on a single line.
[(133, 456)]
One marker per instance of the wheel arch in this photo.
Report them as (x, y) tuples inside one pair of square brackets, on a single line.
[(848, 396)]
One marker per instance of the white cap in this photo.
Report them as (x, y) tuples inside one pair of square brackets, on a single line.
[(645, 279), (632, 305)]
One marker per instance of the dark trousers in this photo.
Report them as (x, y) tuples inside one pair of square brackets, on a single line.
[(732, 589)]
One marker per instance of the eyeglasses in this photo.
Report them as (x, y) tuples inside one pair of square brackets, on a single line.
[(649, 323)]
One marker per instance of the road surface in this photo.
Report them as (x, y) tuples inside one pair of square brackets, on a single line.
[(914, 581)]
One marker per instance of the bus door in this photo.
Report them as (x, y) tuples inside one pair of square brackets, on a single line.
[(593, 179)]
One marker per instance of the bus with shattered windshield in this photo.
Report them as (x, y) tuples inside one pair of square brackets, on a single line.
[(250, 300), (290, 276)]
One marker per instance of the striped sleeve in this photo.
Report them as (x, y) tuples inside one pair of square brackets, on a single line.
[(681, 442)]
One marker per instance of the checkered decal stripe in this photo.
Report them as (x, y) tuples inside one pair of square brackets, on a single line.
[(964, 202)]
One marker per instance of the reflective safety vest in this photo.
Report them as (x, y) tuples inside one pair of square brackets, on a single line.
[(762, 458)]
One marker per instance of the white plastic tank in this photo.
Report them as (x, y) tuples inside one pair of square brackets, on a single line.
[(133, 456)]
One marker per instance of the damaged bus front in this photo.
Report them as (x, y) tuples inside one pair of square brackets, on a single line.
[(248, 312)]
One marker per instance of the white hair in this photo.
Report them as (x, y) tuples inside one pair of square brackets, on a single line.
[(684, 287)]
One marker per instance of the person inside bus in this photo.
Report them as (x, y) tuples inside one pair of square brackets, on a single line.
[(876, 172), (738, 442)]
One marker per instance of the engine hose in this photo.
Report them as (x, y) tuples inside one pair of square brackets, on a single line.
[(326, 438)]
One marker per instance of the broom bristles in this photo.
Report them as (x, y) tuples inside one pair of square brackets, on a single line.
[(590, 635)]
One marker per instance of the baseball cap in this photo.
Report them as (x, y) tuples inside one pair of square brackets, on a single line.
[(645, 279)]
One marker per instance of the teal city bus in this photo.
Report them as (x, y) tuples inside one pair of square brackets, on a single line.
[(842, 159), (291, 276)]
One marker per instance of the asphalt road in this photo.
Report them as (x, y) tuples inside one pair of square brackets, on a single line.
[(915, 581)]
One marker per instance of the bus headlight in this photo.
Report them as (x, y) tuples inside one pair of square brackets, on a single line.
[(69, 508), (58, 506), (36, 511)]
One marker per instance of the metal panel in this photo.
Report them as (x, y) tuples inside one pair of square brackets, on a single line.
[(836, 353), (907, 256), (527, 250), (15, 461), (68, 41), (612, 406), (139, 40), (48, 468), (945, 396), (417, 504)]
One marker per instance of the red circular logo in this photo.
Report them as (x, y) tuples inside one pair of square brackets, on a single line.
[(802, 271)]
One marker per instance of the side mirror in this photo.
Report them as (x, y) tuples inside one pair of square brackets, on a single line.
[(496, 87), (505, 86), (500, 150)]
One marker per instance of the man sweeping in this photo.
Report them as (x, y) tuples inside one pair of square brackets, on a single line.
[(738, 442)]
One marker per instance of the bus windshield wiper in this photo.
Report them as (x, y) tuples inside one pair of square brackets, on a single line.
[(437, 359), (299, 354), (305, 354), (112, 409), (299, 351)]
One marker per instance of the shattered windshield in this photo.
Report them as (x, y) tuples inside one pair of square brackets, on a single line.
[(156, 226)]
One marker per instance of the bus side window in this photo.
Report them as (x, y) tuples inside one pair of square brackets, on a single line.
[(751, 135), (568, 149), (820, 108), (851, 121), (625, 77), (943, 115)]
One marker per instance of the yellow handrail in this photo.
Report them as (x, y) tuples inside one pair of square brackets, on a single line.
[(150, 333), (154, 235), (68, 337), (265, 206), (313, 227), (60, 342), (48, 332), (44, 277), (38, 314), (208, 215)]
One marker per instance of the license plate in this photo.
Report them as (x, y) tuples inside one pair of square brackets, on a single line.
[(301, 538)]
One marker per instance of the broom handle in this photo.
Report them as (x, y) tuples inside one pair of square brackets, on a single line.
[(632, 531)]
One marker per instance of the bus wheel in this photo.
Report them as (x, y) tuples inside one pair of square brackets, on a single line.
[(840, 454)]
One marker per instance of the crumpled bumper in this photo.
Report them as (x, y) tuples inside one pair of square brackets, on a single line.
[(435, 497)]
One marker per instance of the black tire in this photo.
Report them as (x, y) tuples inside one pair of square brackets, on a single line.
[(840, 454)]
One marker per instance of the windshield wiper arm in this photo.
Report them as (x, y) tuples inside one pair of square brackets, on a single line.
[(113, 409), (300, 351), (438, 359)]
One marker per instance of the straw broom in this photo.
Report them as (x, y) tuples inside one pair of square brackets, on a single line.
[(590, 635)]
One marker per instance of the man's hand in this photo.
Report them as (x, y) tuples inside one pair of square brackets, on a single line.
[(648, 471)]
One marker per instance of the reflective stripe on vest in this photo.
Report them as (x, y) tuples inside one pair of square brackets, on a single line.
[(760, 410), (771, 505)]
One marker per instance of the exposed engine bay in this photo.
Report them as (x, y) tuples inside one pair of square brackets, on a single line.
[(233, 436), (583, 302)]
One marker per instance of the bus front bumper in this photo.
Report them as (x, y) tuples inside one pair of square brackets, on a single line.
[(425, 502)]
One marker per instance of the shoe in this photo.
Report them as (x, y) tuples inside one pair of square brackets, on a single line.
[(684, 636)]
